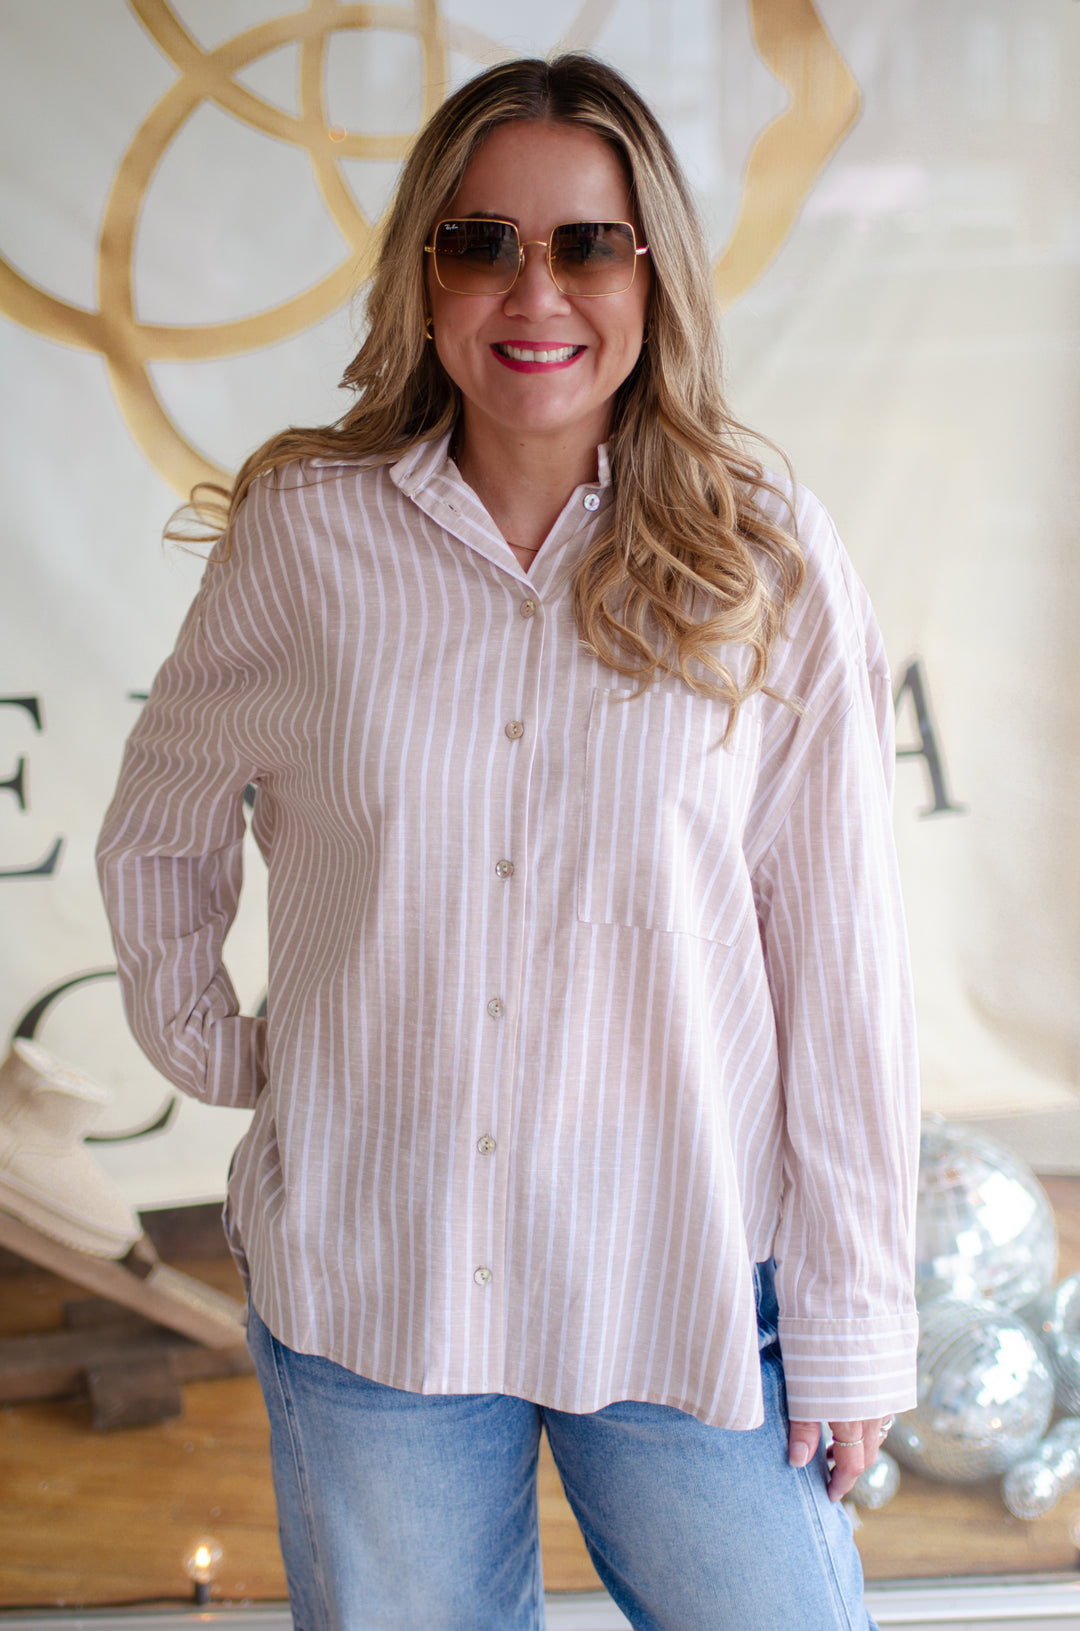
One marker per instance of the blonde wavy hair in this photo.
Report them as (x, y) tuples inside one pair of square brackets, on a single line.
[(690, 560)]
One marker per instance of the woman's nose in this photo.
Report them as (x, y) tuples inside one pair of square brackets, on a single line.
[(535, 289)]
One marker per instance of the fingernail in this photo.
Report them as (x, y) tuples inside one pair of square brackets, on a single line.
[(799, 1454)]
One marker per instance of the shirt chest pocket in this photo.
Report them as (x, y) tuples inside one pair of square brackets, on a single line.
[(661, 841)]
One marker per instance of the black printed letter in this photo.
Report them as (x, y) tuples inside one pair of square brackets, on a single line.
[(16, 784), (913, 686)]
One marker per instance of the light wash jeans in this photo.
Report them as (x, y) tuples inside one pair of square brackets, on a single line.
[(417, 1512)]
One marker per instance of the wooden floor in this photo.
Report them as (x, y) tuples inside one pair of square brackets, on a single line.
[(105, 1518)]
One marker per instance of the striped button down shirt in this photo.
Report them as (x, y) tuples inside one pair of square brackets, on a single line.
[(574, 1014)]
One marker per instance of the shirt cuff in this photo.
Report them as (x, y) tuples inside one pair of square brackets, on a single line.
[(849, 1370), (236, 1068)]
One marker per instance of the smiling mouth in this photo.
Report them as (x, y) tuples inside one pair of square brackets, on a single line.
[(531, 353)]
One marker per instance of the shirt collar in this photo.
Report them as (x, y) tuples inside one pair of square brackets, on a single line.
[(426, 474), (425, 460)]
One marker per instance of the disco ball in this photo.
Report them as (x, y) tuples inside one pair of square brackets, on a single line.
[(878, 1484), (1030, 1490), (1056, 1319), (984, 1226), (1032, 1487), (985, 1394)]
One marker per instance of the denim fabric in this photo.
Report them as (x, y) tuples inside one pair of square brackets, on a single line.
[(417, 1512)]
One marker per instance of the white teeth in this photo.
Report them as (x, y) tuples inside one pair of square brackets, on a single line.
[(525, 353)]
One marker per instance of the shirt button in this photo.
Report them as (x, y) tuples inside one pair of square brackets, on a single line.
[(528, 608), (485, 1145), (505, 869), (591, 501), (495, 1008), (481, 1276), (514, 728)]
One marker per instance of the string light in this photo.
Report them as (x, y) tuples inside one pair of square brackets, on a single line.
[(201, 1564)]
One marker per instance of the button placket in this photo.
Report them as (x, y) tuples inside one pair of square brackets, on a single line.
[(490, 1175)]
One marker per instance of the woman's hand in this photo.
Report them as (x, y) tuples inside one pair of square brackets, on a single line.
[(854, 1447)]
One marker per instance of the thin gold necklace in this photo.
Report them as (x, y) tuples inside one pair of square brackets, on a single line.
[(452, 450)]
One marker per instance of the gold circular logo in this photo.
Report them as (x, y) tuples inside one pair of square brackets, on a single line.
[(783, 165)]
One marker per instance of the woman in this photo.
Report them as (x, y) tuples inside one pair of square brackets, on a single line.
[(587, 1089)]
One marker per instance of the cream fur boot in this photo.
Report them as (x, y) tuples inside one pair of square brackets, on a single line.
[(47, 1176)]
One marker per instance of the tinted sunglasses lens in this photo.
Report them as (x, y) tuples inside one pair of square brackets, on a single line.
[(476, 257), (593, 257)]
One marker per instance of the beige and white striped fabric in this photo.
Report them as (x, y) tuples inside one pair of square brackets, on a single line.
[(573, 1014)]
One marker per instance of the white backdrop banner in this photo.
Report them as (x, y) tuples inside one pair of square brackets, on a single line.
[(188, 194)]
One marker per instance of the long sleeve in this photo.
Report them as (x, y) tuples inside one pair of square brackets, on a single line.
[(832, 929), (169, 862)]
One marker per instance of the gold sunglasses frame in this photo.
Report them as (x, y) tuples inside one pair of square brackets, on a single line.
[(543, 243)]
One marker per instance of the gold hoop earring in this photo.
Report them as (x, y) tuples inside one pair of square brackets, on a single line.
[(429, 329)]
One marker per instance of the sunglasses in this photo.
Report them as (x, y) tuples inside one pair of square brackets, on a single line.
[(586, 259)]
